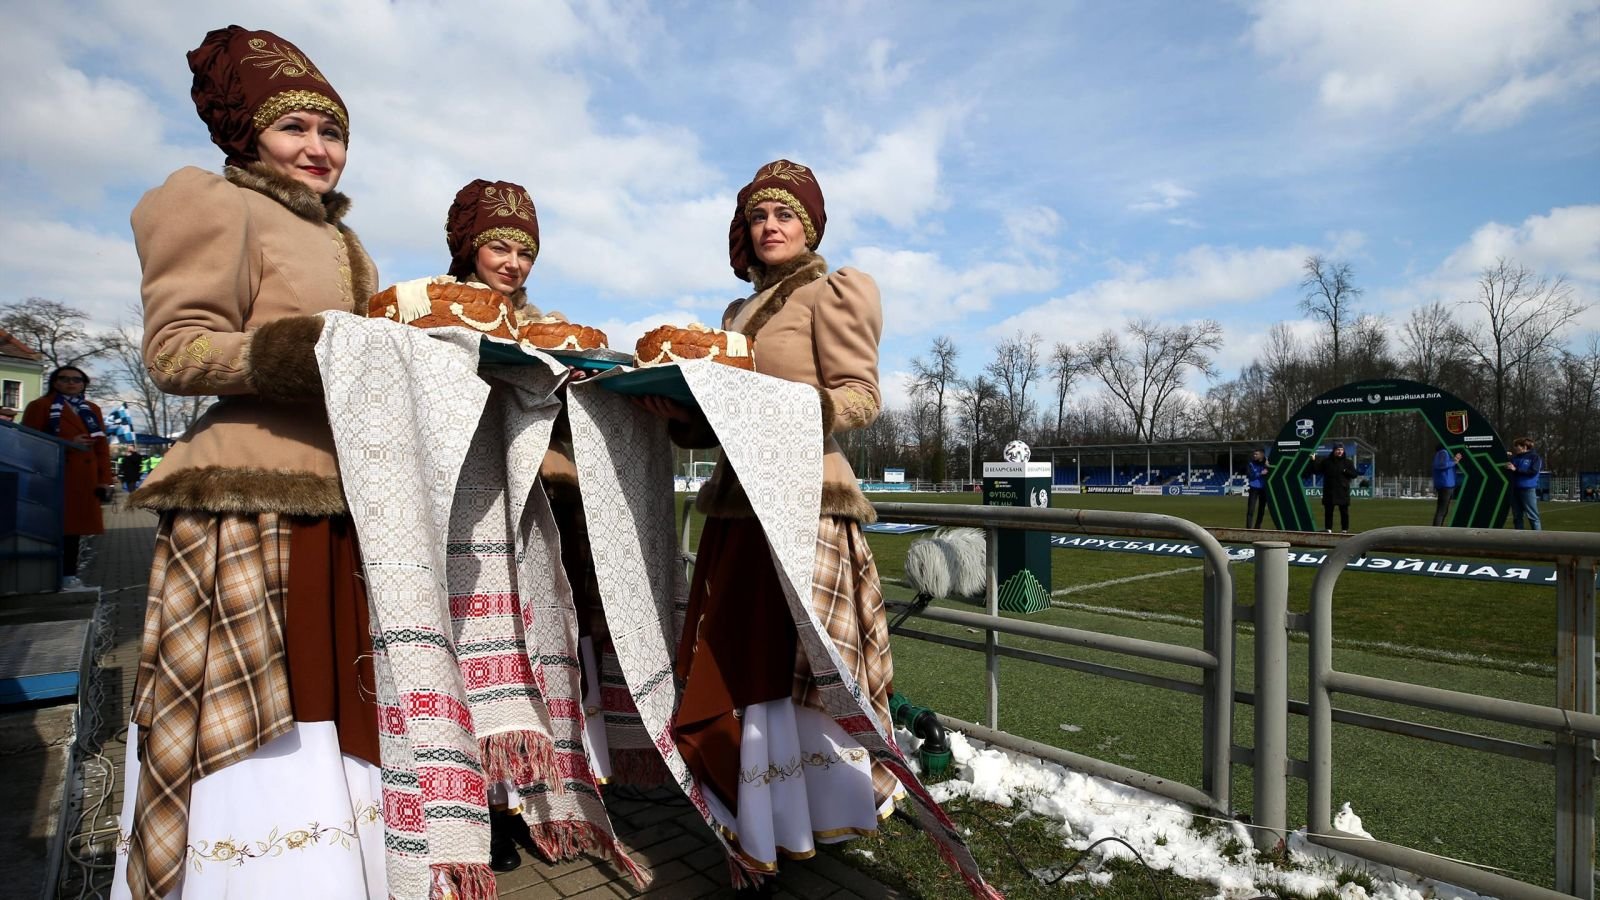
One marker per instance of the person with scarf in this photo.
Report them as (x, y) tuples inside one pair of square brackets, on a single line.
[(780, 774), (64, 413), (253, 749)]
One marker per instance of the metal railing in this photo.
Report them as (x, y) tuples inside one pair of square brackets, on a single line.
[(1571, 721), (1214, 660)]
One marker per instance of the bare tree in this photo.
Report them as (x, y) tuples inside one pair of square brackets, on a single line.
[(1144, 374), (1432, 341), (932, 379), (1330, 296), (1066, 364), (58, 331), (976, 399), (1523, 314), (1016, 364)]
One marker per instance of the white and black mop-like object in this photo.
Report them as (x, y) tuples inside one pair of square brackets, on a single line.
[(949, 563)]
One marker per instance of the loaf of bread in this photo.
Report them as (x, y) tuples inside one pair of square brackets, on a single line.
[(670, 344), (442, 302)]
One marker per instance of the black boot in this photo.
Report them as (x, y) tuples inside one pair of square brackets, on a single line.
[(503, 855)]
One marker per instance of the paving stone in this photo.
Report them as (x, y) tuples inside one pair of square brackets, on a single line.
[(672, 849), (694, 887), (582, 880)]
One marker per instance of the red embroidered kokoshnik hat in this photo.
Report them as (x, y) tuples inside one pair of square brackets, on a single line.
[(789, 183), (484, 211), (244, 80)]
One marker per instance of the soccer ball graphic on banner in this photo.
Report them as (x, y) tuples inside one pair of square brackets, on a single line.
[(1017, 452)]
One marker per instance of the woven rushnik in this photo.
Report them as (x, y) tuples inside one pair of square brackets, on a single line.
[(473, 631), (769, 429)]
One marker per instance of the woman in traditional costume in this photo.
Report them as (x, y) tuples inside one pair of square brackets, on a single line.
[(253, 754), (66, 414), (780, 774)]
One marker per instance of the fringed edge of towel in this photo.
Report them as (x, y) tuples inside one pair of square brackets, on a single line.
[(461, 881), (522, 758)]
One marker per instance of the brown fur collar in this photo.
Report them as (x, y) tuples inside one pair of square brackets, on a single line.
[(301, 200), (781, 281), (220, 489)]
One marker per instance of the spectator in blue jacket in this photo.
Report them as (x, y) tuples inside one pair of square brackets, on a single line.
[(1255, 506), (1524, 465), (1446, 474)]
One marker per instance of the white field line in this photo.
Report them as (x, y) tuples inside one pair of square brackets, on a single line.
[(1100, 584)]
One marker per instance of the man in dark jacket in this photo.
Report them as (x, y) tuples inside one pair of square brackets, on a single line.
[(1337, 471)]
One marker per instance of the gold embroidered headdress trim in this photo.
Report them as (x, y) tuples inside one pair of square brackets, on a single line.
[(288, 101), (506, 233), (762, 195)]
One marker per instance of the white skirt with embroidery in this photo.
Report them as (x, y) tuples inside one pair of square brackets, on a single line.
[(802, 781), (296, 819)]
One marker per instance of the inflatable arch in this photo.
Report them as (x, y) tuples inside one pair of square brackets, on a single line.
[(1484, 495)]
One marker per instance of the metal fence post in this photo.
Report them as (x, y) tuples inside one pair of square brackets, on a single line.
[(991, 638), (1575, 671), (1271, 692)]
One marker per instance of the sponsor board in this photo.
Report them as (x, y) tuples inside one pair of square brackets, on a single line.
[(1066, 489), (1354, 492), (1184, 490), (1016, 470), (1108, 489), (1372, 562), (1148, 489)]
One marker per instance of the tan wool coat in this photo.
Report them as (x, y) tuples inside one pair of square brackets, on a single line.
[(236, 268), (818, 329)]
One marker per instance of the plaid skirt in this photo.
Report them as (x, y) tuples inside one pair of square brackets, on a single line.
[(739, 646), (237, 647)]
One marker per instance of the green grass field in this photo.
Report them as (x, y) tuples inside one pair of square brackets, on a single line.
[(1471, 636)]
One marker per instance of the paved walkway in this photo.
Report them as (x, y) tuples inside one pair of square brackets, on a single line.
[(669, 838)]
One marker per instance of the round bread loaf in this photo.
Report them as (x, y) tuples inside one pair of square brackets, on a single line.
[(441, 304), (670, 344), (554, 334)]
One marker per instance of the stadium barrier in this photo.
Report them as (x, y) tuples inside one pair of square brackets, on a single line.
[(1214, 659), (1571, 721)]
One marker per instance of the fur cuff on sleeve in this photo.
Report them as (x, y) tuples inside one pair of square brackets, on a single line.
[(283, 361), (826, 399)]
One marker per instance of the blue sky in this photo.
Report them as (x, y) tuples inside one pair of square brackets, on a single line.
[(1054, 167)]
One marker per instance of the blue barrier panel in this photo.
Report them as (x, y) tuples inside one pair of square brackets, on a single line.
[(32, 495)]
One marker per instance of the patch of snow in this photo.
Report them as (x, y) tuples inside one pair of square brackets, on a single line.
[(1161, 831)]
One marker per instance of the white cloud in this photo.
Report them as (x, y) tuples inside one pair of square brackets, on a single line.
[(921, 293), (1484, 63), (1198, 280), (1565, 241), (897, 178), (1163, 195), (94, 272), (882, 76)]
